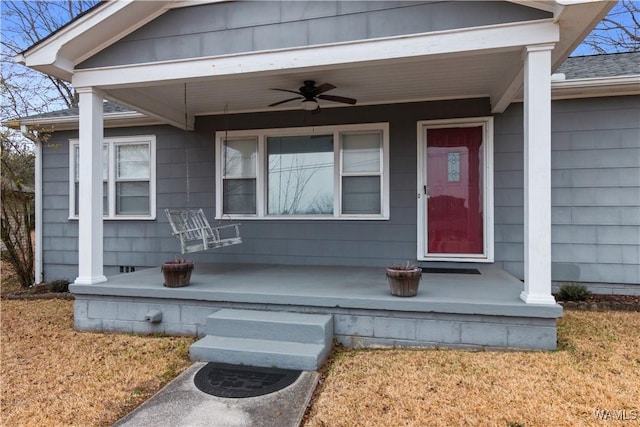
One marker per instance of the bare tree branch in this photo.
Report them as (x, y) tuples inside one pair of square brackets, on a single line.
[(24, 24), (24, 93), (618, 32)]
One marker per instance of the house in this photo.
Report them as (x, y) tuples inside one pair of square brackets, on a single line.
[(462, 154)]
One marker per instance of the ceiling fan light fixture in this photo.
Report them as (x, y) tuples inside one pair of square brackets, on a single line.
[(309, 105)]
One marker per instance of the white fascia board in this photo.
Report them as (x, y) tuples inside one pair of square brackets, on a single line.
[(548, 6), (188, 3), (342, 55), (596, 87), (111, 120), (79, 40)]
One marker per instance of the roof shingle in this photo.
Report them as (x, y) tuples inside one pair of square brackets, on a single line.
[(610, 65)]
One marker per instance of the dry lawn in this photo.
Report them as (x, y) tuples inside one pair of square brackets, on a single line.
[(596, 368), (52, 375)]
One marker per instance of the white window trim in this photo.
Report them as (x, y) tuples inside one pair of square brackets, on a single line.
[(261, 180), (112, 142), (488, 227)]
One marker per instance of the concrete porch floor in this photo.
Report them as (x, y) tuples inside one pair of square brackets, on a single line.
[(493, 292), (458, 310)]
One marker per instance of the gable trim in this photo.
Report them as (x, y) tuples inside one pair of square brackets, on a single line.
[(346, 54), (83, 38)]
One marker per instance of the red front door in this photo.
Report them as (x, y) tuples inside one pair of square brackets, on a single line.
[(454, 191)]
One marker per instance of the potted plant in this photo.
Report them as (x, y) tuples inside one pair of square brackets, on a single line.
[(404, 279), (177, 273)]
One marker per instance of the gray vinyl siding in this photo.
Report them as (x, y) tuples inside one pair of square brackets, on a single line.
[(59, 236), (595, 190), (342, 242), (246, 26), (595, 194), (146, 243)]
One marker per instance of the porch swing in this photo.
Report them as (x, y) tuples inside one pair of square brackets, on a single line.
[(191, 227)]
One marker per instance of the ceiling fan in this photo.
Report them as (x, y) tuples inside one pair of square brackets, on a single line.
[(310, 93)]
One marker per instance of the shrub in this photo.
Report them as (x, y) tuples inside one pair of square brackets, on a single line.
[(573, 292), (60, 285)]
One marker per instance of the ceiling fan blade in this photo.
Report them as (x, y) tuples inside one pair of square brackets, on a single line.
[(341, 99), (286, 100), (287, 90), (323, 88)]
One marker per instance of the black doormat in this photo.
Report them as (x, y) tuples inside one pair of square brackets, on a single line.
[(225, 380), (450, 270)]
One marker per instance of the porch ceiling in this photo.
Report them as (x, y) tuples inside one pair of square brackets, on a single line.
[(379, 82)]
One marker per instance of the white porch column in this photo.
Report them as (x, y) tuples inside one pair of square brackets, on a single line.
[(537, 175), (90, 255)]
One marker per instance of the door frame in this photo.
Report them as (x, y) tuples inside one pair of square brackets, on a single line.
[(487, 166)]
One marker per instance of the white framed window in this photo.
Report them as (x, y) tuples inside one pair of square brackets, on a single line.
[(322, 172), (129, 177)]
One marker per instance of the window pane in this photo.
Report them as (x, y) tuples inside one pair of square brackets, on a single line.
[(300, 180), (239, 196), (240, 158), (361, 152), (453, 167), (361, 195), (105, 162), (76, 157), (132, 198), (105, 198), (77, 198), (132, 161)]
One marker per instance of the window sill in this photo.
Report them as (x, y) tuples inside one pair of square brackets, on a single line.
[(301, 218), (121, 218)]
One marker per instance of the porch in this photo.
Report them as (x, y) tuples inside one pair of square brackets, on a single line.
[(480, 309)]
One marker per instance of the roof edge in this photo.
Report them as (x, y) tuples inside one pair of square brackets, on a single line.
[(93, 31)]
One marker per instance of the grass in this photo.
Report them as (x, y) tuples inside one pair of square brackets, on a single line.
[(596, 368), (52, 375)]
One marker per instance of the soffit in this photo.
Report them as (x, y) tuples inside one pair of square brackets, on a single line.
[(446, 77)]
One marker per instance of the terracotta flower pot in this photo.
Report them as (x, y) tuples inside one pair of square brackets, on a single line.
[(177, 273), (404, 281)]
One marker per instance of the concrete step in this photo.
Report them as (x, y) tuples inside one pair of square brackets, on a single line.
[(266, 338), (257, 352), (272, 325)]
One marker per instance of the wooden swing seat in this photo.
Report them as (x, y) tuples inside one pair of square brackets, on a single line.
[(191, 228)]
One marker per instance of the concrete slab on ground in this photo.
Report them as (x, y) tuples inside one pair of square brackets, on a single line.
[(180, 403)]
